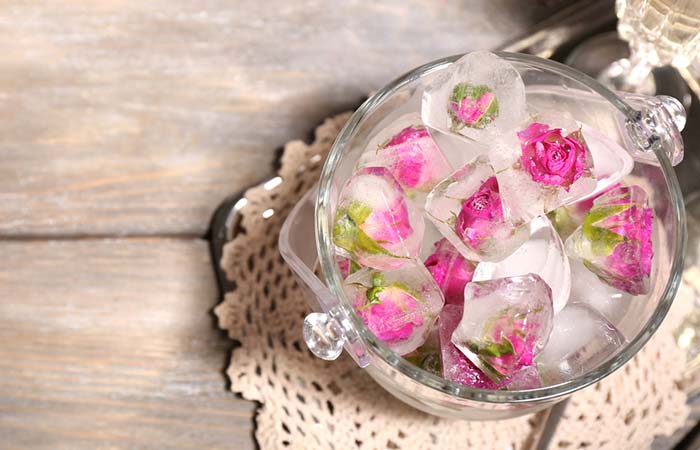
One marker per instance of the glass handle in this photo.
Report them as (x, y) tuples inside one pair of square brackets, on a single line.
[(327, 331), (656, 126), (324, 336)]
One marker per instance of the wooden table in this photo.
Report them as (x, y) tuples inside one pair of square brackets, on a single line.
[(123, 125)]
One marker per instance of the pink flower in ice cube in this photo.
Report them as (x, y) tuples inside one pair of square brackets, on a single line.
[(472, 106), (415, 159), (513, 343), (552, 158), (451, 271), (389, 225), (371, 224), (615, 242), (479, 213), (391, 312)]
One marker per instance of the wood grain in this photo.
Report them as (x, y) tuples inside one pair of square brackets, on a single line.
[(111, 344), (138, 117)]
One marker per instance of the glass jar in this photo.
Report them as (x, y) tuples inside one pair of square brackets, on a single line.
[(647, 126)]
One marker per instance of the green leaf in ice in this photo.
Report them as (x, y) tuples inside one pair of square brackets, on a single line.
[(603, 241), (492, 349), (347, 233)]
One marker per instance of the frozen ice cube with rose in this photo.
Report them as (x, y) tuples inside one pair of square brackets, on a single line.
[(505, 324), (467, 210), (543, 166), (581, 340), (455, 366), (615, 239), (479, 96), (542, 254), (459, 369), (408, 150), (451, 270), (375, 224), (399, 306)]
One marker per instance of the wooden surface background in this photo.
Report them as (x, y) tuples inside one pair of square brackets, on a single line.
[(122, 125)]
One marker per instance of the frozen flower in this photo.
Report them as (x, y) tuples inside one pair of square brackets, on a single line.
[(614, 241), (374, 223), (472, 106), (552, 158), (451, 271), (479, 213)]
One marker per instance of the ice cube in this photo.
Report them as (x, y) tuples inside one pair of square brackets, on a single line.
[(542, 254), (451, 271), (466, 208), (506, 323), (581, 340), (614, 241), (611, 162), (527, 377), (408, 150), (455, 366), (567, 218), (479, 96), (546, 165), (374, 224), (399, 306), (427, 356), (457, 150), (588, 289)]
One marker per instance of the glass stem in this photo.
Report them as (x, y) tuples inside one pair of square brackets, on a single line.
[(639, 70)]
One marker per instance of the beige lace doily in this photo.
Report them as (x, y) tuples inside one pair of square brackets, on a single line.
[(307, 403)]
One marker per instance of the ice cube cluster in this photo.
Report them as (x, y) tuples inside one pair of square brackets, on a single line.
[(489, 242)]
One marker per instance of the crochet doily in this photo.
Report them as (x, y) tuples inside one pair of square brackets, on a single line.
[(307, 403)]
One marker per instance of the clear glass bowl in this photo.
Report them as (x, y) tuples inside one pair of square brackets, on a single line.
[(647, 126)]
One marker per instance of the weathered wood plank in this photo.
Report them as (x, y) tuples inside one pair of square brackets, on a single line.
[(111, 344), (137, 117)]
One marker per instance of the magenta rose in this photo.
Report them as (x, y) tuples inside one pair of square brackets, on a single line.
[(374, 224), (479, 213), (551, 158), (415, 159), (450, 270), (472, 106), (509, 343), (391, 225), (391, 312), (615, 240)]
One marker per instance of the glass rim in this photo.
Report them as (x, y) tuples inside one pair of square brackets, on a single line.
[(323, 227)]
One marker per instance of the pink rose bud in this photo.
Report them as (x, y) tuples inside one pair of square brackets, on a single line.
[(398, 306), (506, 323), (451, 271), (553, 159), (414, 159), (374, 224), (390, 312), (472, 106), (467, 209), (614, 241), (478, 214)]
